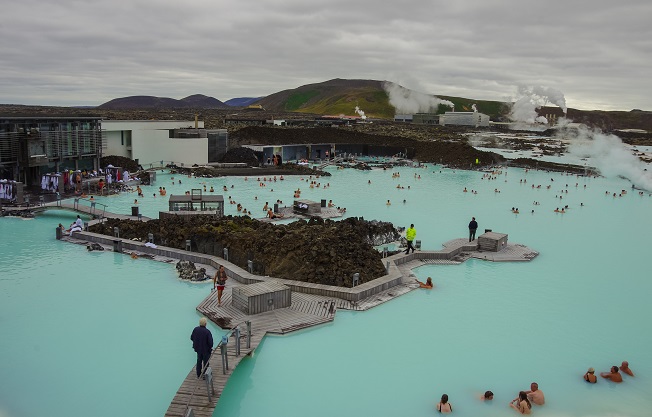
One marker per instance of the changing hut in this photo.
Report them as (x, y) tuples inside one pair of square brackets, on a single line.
[(194, 203), (261, 297), (492, 241)]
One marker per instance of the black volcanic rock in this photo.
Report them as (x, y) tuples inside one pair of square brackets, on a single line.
[(318, 251), (444, 146)]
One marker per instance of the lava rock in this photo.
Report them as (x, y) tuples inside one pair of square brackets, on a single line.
[(319, 251), (94, 246)]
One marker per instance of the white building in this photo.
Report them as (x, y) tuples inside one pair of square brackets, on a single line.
[(170, 141), (464, 118)]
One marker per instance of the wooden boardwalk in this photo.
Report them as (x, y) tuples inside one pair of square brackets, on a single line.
[(92, 211), (193, 391), (306, 310)]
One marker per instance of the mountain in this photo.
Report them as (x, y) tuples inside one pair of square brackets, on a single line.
[(202, 101), (242, 101), (339, 96), (333, 97), (151, 102)]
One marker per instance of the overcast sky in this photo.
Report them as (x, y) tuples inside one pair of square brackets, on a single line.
[(86, 52)]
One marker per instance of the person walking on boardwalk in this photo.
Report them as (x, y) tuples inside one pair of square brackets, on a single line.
[(410, 234), (473, 226), (219, 281), (202, 343)]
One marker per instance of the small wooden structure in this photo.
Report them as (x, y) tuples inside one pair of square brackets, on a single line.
[(306, 207), (196, 202), (261, 297), (492, 241)]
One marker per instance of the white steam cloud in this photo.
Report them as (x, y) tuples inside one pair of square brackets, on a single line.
[(611, 157), (407, 101), (531, 98), (360, 113), (474, 108)]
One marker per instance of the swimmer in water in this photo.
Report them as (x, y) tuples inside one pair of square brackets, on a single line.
[(613, 375), (428, 284), (624, 367)]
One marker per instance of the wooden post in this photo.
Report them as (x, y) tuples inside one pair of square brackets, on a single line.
[(248, 334)]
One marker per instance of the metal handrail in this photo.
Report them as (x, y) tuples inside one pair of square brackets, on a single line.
[(330, 162), (228, 334), (92, 205), (222, 346), (157, 164)]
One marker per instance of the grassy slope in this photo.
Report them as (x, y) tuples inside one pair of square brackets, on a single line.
[(373, 102)]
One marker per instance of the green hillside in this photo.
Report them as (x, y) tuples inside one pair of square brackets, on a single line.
[(374, 103), (338, 96)]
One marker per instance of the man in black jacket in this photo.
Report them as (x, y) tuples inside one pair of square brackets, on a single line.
[(473, 226), (202, 342)]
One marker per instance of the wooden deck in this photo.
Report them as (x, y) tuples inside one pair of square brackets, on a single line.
[(306, 310)]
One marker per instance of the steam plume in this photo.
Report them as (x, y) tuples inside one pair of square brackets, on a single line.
[(408, 101), (474, 108), (611, 157), (531, 98), (360, 113)]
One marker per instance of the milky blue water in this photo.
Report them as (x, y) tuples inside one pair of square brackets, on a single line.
[(583, 302), (88, 333)]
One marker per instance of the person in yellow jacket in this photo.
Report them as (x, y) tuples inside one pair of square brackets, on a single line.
[(410, 234)]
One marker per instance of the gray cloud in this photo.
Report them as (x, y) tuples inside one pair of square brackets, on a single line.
[(75, 52)]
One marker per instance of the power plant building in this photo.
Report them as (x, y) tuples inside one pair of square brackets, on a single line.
[(425, 119), (462, 118)]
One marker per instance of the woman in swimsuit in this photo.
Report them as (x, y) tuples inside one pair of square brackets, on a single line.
[(428, 284), (219, 282)]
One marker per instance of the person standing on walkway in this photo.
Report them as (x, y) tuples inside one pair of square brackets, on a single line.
[(473, 227), (202, 342), (219, 282), (410, 234)]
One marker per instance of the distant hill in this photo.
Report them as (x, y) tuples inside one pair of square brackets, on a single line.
[(333, 97), (241, 101), (151, 102), (202, 101), (340, 96)]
